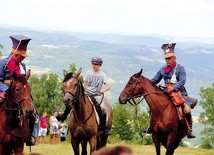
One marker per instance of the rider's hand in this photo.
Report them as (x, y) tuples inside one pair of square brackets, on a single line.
[(170, 89), (102, 91)]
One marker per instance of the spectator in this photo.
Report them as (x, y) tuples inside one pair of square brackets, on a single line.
[(63, 132), (54, 127), (43, 127), (36, 126)]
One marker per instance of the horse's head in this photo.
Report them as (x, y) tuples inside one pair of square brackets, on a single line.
[(132, 89), (20, 94), (72, 86)]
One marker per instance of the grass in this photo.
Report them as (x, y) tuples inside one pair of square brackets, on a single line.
[(66, 149)]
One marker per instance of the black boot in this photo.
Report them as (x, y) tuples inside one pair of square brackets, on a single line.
[(190, 133), (30, 141), (63, 116), (104, 128)]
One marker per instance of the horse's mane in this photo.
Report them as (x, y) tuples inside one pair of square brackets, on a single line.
[(68, 76), (20, 78), (15, 77), (153, 84)]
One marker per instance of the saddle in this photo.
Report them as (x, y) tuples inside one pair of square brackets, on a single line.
[(99, 112)]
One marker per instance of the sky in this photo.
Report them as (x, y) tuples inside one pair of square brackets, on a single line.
[(177, 18)]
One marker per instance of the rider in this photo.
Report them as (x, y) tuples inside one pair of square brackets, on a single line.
[(13, 65), (93, 84), (175, 74)]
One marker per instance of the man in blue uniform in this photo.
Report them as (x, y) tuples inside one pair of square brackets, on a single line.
[(175, 74), (13, 65)]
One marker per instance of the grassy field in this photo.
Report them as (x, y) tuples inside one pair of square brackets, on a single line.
[(66, 149)]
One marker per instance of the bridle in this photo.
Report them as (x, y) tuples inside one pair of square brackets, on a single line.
[(75, 99), (75, 96), (131, 98), (18, 108)]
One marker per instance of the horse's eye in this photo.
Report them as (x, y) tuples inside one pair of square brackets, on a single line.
[(130, 83), (75, 84), (17, 90)]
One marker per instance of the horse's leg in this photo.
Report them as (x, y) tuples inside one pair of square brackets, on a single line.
[(75, 146), (1, 149), (102, 140), (157, 143), (19, 150), (93, 143), (170, 144), (84, 147)]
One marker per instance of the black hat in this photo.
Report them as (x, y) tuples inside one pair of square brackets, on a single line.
[(20, 43), (96, 60), (169, 49)]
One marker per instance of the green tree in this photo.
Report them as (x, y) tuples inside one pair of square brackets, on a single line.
[(122, 122), (46, 92), (207, 103), (129, 122)]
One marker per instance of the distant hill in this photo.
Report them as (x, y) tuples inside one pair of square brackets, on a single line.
[(123, 55)]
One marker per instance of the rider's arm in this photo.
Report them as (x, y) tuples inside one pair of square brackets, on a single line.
[(107, 88), (157, 78), (85, 84)]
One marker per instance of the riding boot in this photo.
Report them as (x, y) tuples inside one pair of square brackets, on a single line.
[(190, 133), (30, 141), (63, 116), (104, 128)]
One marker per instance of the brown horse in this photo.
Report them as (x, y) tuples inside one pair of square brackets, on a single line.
[(165, 125), (83, 124), (15, 111)]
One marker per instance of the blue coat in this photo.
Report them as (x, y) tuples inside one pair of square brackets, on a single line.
[(5, 73), (180, 76)]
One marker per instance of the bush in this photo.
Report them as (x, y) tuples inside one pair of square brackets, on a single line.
[(207, 143)]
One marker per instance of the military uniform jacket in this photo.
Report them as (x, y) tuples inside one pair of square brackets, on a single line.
[(5, 73), (180, 74)]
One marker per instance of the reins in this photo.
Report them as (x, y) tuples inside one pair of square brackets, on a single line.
[(132, 98)]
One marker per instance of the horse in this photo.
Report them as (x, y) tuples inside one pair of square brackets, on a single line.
[(15, 111), (83, 125), (164, 121)]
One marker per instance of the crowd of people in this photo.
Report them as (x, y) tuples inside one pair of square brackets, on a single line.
[(42, 127)]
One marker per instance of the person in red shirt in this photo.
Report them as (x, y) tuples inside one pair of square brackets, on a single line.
[(43, 125)]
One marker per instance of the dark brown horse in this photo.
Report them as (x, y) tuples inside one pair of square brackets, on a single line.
[(15, 111), (165, 125), (83, 125)]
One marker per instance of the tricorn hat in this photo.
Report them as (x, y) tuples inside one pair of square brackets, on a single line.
[(169, 49), (20, 43)]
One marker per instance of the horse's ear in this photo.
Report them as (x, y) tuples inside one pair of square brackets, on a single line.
[(65, 73), (78, 73), (140, 72), (28, 74)]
